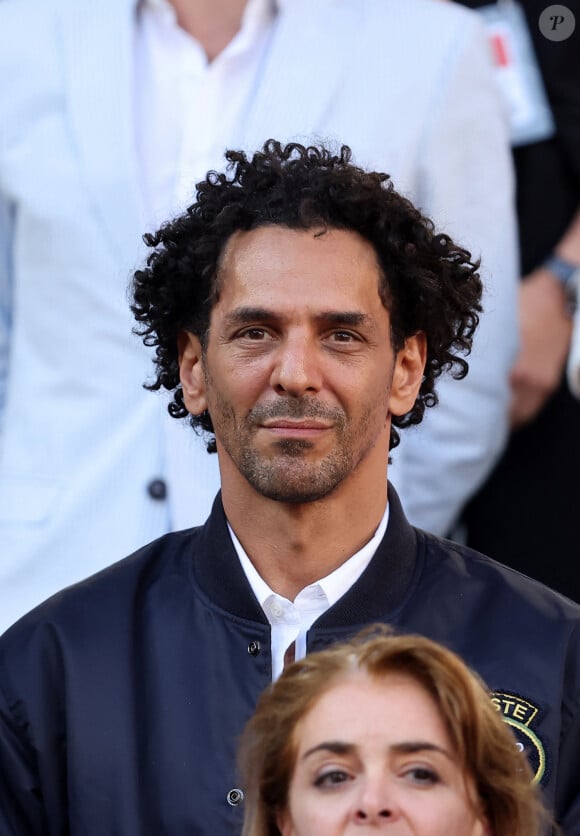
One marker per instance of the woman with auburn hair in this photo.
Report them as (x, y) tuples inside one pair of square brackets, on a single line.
[(384, 731)]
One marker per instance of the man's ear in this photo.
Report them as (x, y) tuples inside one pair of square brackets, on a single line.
[(191, 372), (408, 374)]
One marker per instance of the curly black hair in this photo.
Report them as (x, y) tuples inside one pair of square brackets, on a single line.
[(428, 283)]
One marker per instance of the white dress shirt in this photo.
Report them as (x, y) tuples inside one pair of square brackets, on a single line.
[(189, 110), (291, 620)]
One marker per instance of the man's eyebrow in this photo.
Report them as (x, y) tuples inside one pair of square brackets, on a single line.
[(345, 317), (240, 316), (243, 315)]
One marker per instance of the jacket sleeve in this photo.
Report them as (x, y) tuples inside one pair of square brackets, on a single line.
[(6, 295), (567, 793), (467, 188), (21, 808)]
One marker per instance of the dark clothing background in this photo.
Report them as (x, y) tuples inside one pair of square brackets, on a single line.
[(528, 513)]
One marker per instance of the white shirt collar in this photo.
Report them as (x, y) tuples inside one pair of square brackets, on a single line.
[(290, 621)]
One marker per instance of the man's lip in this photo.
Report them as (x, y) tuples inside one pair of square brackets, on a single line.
[(286, 424), (286, 427)]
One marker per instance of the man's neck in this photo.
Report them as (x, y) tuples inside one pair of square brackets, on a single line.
[(213, 23), (294, 545)]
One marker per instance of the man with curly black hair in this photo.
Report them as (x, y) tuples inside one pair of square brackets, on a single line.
[(427, 283), (301, 311)]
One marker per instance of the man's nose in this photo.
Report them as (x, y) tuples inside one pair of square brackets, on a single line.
[(296, 368)]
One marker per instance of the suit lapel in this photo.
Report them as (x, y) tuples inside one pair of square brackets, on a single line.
[(303, 71), (98, 42)]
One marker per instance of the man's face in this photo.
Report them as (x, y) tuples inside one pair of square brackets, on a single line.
[(298, 370)]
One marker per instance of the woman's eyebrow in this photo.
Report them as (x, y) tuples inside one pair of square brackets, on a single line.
[(405, 747), (410, 747), (336, 747)]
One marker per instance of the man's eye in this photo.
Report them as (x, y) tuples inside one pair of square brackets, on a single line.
[(343, 336), (253, 334), (328, 779)]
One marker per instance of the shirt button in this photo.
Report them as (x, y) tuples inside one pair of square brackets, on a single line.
[(157, 489), (254, 648), (235, 797), (276, 609)]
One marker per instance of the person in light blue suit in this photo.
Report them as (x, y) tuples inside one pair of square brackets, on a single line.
[(98, 138)]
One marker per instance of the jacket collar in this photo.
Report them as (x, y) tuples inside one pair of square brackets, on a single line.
[(381, 588)]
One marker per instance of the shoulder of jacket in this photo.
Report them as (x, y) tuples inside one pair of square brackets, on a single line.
[(497, 576), (104, 599)]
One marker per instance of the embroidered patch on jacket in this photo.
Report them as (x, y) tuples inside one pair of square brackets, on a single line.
[(520, 714)]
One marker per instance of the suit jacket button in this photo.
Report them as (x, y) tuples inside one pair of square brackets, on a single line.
[(157, 489), (254, 648), (235, 797)]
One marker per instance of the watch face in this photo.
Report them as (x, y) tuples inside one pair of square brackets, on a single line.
[(570, 281), (568, 274)]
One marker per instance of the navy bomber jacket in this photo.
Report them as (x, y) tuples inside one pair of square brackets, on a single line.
[(122, 698)]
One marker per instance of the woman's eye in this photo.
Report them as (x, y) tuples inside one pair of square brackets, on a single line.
[(328, 779), (422, 775)]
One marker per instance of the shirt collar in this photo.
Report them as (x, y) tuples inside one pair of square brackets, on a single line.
[(333, 585)]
